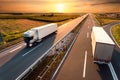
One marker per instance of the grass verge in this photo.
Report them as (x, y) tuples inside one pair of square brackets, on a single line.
[(116, 33), (106, 20)]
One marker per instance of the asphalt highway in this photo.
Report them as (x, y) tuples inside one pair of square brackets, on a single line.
[(23, 57), (77, 66), (79, 63), (116, 54), (7, 53)]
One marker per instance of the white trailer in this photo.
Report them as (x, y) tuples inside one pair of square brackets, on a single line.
[(102, 45), (36, 34)]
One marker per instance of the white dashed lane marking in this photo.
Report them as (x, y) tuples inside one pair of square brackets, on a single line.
[(85, 61)]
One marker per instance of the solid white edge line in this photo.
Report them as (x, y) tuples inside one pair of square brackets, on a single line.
[(31, 50), (64, 58), (112, 71), (19, 77), (15, 49), (85, 60)]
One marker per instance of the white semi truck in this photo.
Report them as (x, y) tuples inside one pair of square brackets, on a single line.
[(37, 34), (102, 45)]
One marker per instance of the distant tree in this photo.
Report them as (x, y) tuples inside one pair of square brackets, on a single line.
[(118, 15), (43, 15), (16, 13), (52, 14)]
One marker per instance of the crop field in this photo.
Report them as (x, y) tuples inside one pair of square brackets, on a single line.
[(12, 26), (55, 18), (12, 29), (116, 33), (106, 20)]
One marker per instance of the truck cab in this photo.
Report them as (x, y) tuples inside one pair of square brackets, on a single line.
[(28, 37)]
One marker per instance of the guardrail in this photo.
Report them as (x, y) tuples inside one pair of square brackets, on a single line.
[(56, 48)]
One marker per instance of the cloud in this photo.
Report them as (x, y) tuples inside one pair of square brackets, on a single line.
[(46, 5), (106, 2)]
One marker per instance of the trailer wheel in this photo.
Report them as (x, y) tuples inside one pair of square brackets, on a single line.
[(35, 43)]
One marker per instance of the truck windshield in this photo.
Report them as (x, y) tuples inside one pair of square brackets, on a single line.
[(27, 39)]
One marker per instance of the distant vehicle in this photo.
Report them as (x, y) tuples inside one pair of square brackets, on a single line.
[(102, 45), (37, 34)]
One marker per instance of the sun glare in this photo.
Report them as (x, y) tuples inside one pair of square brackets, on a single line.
[(60, 7)]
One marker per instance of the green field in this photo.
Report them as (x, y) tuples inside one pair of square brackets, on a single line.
[(12, 30), (107, 18), (116, 33), (12, 26), (104, 20)]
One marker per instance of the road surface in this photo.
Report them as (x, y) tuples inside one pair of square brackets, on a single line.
[(26, 56), (116, 54), (79, 63)]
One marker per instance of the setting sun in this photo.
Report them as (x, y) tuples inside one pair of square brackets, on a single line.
[(60, 7)]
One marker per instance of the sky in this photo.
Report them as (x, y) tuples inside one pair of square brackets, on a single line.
[(62, 6)]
